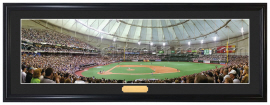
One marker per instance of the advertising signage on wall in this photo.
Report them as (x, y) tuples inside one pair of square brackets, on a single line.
[(202, 52), (222, 49), (194, 50), (131, 53), (161, 52), (206, 51)]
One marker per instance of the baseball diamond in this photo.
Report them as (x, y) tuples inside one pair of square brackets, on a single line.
[(144, 71)]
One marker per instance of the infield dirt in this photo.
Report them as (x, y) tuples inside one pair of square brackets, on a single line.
[(156, 69)]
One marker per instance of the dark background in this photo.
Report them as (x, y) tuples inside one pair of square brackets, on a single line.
[(142, 11)]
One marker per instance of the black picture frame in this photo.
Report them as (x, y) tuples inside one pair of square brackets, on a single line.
[(256, 91)]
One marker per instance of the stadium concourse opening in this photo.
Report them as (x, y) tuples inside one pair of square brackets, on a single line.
[(135, 51)]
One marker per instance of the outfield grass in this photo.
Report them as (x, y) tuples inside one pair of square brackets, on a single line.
[(186, 68), (137, 70)]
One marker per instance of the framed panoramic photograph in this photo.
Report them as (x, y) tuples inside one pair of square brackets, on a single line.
[(135, 52)]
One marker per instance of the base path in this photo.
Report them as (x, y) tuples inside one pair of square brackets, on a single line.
[(156, 69)]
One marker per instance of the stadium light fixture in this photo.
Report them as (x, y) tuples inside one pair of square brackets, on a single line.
[(201, 41), (215, 38), (163, 44), (242, 30), (151, 43), (188, 43), (139, 43)]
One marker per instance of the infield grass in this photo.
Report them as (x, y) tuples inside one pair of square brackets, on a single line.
[(186, 68), (136, 70)]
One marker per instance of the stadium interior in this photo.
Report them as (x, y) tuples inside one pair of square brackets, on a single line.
[(135, 51)]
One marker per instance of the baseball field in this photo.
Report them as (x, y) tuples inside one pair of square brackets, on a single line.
[(146, 70)]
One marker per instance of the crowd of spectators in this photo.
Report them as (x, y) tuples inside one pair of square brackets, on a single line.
[(54, 50), (62, 62), (52, 37), (212, 57), (62, 68)]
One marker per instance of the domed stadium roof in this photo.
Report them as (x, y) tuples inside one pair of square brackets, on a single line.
[(158, 31)]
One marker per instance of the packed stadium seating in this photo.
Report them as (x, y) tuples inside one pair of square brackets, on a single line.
[(65, 66), (52, 37)]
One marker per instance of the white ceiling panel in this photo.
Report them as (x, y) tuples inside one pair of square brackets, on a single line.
[(157, 30)]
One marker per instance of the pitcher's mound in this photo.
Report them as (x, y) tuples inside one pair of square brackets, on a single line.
[(130, 69)]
